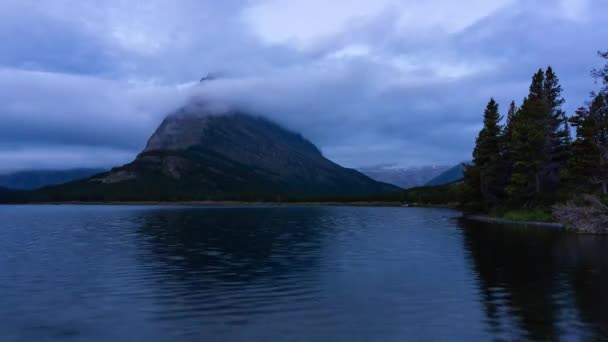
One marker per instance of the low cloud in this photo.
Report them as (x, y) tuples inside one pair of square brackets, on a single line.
[(89, 89)]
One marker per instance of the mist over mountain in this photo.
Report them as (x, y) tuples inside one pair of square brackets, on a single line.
[(403, 177), (203, 153)]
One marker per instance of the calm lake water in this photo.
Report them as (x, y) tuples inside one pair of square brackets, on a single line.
[(138, 273)]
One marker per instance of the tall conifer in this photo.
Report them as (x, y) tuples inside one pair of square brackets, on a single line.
[(487, 156)]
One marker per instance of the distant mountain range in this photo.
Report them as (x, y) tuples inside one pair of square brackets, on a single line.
[(195, 155), (451, 175), (35, 179), (403, 177)]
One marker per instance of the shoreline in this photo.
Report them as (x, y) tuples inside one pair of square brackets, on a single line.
[(487, 219), (217, 203), (478, 218)]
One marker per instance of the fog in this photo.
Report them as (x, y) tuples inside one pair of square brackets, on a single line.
[(85, 86)]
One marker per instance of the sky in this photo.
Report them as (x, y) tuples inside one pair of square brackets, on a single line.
[(84, 84)]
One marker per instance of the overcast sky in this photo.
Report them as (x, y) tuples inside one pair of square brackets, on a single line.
[(85, 83)]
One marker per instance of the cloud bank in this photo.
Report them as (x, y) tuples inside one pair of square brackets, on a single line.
[(368, 82)]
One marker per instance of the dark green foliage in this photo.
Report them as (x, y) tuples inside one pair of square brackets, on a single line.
[(537, 159), (588, 168), (487, 158), (507, 142), (585, 154), (527, 152), (557, 134), (471, 192), (530, 215), (537, 142), (511, 119), (481, 178), (434, 195)]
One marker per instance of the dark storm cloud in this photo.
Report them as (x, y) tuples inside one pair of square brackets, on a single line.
[(84, 85)]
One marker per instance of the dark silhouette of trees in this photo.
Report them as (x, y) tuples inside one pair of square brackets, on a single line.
[(533, 161)]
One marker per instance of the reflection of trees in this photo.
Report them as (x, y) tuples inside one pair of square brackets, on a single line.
[(535, 276), (584, 258)]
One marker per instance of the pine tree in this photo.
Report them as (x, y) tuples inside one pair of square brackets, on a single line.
[(602, 74), (583, 164), (527, 150), (507, 143), (527, 146), (588, 168), (598, 113), (487, 157), (511, 118), (556, 134), (537, 88), (471, 193)]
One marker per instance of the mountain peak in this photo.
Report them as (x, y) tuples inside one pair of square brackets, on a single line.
[(200, 155)]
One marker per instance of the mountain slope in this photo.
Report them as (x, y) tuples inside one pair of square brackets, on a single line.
[(452, 175), (403, 177), (34, 179), (197, 156), (5, 194)]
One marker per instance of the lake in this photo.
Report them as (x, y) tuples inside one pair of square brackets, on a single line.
[(171, 273)]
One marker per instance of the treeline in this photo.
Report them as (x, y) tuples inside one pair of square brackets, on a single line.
[(530, 159)]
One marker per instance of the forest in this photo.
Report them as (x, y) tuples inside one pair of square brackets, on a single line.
[(538, 158)]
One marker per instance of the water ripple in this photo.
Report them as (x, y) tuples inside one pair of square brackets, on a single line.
[(299, 274)]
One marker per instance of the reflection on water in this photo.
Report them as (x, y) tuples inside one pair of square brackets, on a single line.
[(545, 285), (117, 273), (229, 262)]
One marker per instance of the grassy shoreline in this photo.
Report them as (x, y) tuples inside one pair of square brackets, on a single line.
[(490, 219)]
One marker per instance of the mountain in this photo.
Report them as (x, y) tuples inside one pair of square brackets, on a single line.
[(195, 155), (403, 177), (5, 194), (34, 179), (451, 175)]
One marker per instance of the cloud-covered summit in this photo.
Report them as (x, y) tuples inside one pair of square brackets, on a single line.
[(84, 85)]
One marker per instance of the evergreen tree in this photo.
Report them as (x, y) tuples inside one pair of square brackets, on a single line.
[(487, 157), (534, 155), (588, 168), (527, 146), (471, 193), (585, 154), (507, 143), (598, 113), (537, 88), (557, 133), (527, 150), (602, 74), (511, 118)]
